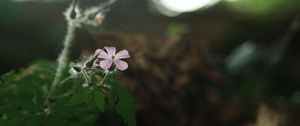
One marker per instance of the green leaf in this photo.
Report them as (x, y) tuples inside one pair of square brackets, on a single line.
[(124, 102), (32, 121), (54, 121), (79, 97), (22, 95), (99, 99), (5, 122)]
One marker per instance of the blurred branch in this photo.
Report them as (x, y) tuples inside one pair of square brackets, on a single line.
[(282, 44)]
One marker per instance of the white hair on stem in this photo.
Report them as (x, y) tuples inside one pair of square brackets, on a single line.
[(63, 56), (73, 22)]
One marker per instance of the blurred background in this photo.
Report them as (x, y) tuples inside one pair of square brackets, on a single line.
[(194, 62)]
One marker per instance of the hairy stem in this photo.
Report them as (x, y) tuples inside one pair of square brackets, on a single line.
[(63, 57), (86, 76), (104, 78)]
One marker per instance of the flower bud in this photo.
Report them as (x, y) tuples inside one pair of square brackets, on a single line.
[(75, 68), (90, 62)]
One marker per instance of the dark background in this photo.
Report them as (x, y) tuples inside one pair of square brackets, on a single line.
[(179, 72)]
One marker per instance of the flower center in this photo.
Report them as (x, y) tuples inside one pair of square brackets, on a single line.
[(113, 57)]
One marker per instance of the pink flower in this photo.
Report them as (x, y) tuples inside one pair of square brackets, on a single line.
[(111, 57)]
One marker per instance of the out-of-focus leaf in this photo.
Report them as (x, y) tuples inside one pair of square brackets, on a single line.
[(82, 96), (263, 9), (54, 121), (176, 30), (124, 102), (23, 94), (99, 99), (5, 122)]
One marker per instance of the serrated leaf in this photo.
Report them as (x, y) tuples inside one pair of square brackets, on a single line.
[(23, 94), (78, 97), (99, 99), (82, 96), (124, 102)]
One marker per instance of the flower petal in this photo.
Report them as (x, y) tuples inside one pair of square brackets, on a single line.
[(102, 54), (98, 51), (122, 55), (121, 65), (111, 50), (105, 64)]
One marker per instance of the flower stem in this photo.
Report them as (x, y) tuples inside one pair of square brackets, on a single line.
[(63, 57), (86, 76), (104, 78)]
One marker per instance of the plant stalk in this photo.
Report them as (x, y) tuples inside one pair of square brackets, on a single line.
[(63, 57)]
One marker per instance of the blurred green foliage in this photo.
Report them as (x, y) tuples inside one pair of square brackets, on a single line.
[(176, 30), (23, 97), (269, 9)]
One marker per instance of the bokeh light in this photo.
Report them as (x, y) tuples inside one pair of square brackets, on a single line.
[(176, 7)]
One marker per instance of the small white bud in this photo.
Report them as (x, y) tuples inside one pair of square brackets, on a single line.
[(93, 17), (72, 14), (75, 68)]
